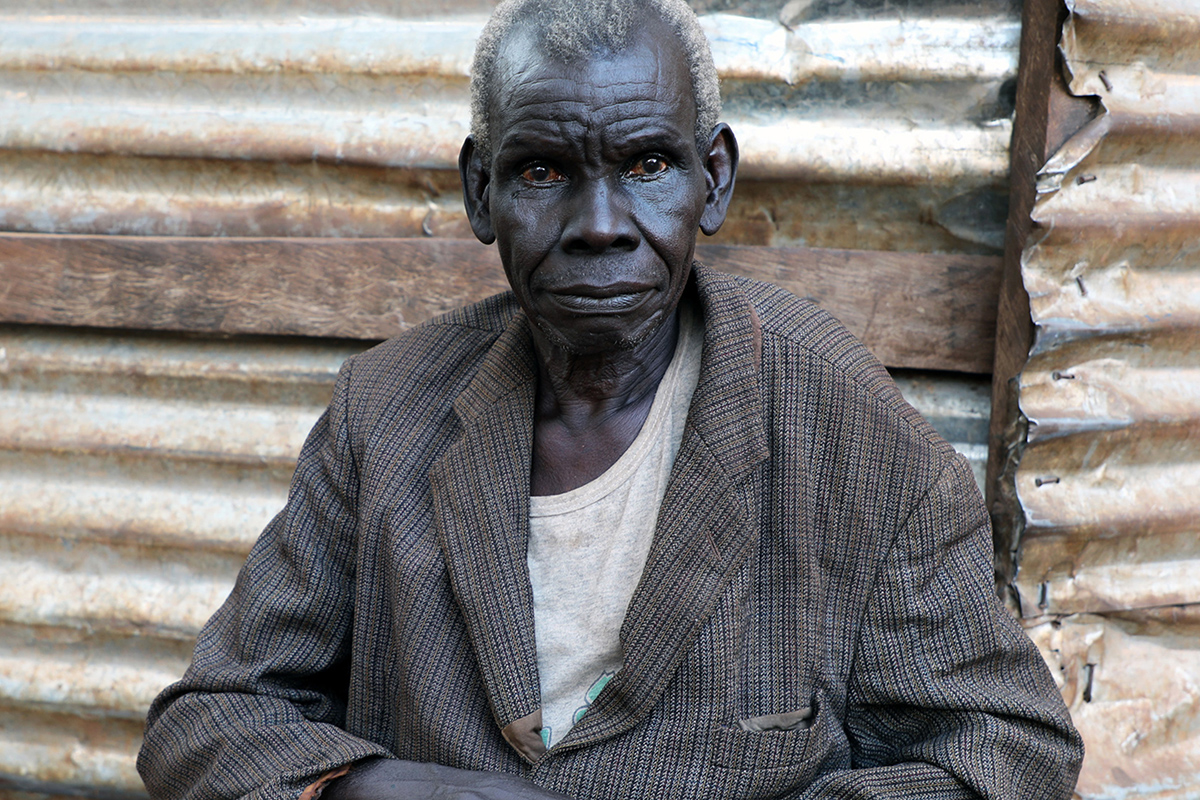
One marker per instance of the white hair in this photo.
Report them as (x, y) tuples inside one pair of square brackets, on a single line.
[(570, 29)]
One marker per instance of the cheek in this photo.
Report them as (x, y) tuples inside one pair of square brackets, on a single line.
[(670, 218), (527, 226)]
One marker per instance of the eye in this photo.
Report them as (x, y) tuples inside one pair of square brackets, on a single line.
[(649, 167), (539, 172)]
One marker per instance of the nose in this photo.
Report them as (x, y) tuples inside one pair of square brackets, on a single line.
[(600, 219)]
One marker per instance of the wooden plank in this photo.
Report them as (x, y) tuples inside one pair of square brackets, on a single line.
[(1047, 115), (914, 310), (356, 288), (1014, 327)]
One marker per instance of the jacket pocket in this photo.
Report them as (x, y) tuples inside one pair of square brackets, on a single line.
[(791, 721), (757, 765), (772, 743)]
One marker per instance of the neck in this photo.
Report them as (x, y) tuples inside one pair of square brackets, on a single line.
[(583, 391)]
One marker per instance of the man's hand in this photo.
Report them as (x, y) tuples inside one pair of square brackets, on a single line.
[(387, 779)]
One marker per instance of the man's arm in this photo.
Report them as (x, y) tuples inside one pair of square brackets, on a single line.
[(261, 711), (948, 697), (380, 779)]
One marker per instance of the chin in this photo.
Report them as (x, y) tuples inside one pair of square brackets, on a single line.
[(592, 343)]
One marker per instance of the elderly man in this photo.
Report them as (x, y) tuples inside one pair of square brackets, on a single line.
[(635, 529)]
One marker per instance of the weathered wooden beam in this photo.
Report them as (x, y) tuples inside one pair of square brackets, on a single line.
[(914, 310), (1047, 115), (355, 288)]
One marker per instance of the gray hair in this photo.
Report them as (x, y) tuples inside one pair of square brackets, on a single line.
[(568, 29)]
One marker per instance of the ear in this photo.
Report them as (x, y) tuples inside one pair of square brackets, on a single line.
[(476, 184), (720, 170)]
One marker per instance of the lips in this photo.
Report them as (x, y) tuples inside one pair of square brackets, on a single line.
[(612, 298)]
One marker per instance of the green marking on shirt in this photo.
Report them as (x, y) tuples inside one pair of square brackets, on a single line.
[(597, 686), (591, 694)]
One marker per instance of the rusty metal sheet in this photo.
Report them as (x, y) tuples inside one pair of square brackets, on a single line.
[(1093, 268), (885, 153), (147, 500), (912, 217), (120, 588), (1111, 520), (1110, 382), (364, 43), (197, 121), (1065, 573), (135, 472), (1134, 92), (42, 751), (1130, 684), (236, 9), (371, 121), (1109, 479), (76, 672), (905, 48), (61, 394), (1106, 481), (50, 354), (8, 792), (129, 195), (168, 441), (360, 119), (178, 428), (1148, 73), (1112, 390)]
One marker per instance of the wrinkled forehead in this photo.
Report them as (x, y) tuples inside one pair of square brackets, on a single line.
[(651, 63)]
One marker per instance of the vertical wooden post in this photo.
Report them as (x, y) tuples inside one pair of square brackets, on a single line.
[(1047, 115)]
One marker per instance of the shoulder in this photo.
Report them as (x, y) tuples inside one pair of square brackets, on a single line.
[(813, 360), (428, 364), (433, 345)]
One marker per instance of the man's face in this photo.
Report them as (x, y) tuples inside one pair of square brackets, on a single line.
[(595, 191)]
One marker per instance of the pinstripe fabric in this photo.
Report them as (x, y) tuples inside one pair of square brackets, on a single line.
[(819, 545)]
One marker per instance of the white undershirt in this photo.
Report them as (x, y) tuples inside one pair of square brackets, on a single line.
[(587, 548)]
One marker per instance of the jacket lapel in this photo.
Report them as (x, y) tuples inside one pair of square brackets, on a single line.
[(481, 513), (708, 520)]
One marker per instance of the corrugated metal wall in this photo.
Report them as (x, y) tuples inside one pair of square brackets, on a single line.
[(1109, 481), (871, 129), (135, 470), (135, 473)]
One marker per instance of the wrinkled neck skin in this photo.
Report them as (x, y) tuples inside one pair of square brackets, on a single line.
[(582, 391), (590, 407)]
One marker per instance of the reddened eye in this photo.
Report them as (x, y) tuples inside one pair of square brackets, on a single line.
[(540, 172), (649, 166)]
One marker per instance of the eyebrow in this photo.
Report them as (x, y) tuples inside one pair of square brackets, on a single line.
[(654, 137), (542, 139)]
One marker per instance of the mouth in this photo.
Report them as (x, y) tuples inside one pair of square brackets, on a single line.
[(608, 299)]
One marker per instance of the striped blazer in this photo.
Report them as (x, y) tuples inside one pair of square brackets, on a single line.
[(821, 557)]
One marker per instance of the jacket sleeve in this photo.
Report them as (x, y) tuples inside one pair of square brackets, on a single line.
[(948, 697), (260, 712)]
